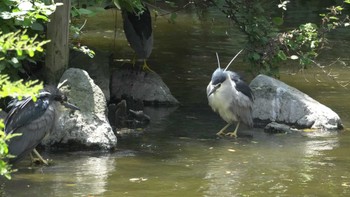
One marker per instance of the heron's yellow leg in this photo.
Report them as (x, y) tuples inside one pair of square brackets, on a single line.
[(223, 129), (145, 67), (234, 133), (40, 158)]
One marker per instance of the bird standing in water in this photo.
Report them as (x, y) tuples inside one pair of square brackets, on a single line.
[(230, 97), (33, 120)]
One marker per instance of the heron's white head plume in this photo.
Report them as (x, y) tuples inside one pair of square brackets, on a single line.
[(233, 59), (217, 57)]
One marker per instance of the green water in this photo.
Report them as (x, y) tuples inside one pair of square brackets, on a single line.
[(179, 155)]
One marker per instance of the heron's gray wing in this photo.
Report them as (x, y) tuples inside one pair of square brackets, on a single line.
[(138, 31), (242, 106), (24, 112), (241, 85), (32, 134)]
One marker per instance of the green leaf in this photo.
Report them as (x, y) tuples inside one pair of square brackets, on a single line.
[(172, 17), (334, 18), (19, 52), (24, 37), (282, 55), (255, 56), (30, 52), (278, 21), (37, 26), (42, 17)]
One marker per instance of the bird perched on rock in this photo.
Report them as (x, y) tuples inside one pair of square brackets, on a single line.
[(137, 24), (33, 121), (139, 33), (230, 97)]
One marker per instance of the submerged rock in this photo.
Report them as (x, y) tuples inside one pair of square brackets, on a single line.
[(126, 121), (87, 128), (274, 128), (278, 102), (145, 86)]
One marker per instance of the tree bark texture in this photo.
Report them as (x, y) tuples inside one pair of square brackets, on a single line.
[(57, 51)]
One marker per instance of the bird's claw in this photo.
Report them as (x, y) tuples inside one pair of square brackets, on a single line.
[(38, 161), (146, 68), (232, 134)]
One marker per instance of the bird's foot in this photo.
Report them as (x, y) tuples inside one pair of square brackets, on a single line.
[(146, 68), (38, 161), (232, 134)]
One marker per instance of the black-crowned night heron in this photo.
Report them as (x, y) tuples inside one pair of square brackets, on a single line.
[(33, 120), (138, 31), (231, 97)]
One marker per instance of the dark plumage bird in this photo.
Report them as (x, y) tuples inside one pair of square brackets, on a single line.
[(139, 33), (230, 97), (138, 30), (33, 120)]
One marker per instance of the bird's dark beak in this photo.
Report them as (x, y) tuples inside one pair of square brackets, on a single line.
[(70, 106), (214, 89)]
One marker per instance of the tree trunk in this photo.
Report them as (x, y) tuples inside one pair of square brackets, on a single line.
[(57, 51)]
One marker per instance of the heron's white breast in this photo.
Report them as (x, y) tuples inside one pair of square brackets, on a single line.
[(221, 101)]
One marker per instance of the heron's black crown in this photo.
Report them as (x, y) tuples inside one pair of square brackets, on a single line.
[(219, 76)]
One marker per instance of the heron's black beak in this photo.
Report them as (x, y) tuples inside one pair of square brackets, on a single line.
[(70, 106), (214, 89)]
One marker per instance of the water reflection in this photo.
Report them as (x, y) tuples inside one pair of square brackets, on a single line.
[(82, 174), (87, 176), (314, 148), (285, 165)]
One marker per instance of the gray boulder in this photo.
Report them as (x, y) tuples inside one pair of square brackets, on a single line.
[(87, 128), (138, 85), (276, 101)]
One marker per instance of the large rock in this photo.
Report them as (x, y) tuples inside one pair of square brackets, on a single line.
[(87, 128), (138, 85), (276, 101)]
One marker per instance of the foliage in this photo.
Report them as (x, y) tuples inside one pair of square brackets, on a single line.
[(16, 47), (17, 90), (22, 23), (21, 39), (254, 21), (267, 46), (5, 169), (79, 14), (129, 5), (303, 43)]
